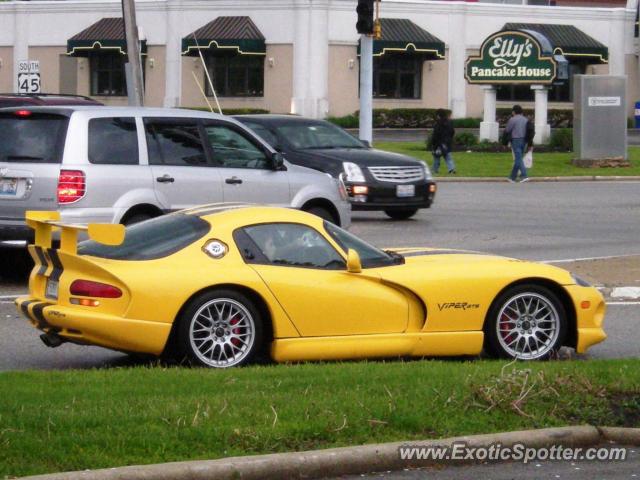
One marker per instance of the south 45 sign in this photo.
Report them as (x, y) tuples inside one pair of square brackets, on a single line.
[(510, 57), (28, 83)]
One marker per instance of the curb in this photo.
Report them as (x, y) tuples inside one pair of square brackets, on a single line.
[(347, 460), (585, 178)]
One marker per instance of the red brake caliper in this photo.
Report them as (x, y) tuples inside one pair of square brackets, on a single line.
[(507, 335), (236, 331)]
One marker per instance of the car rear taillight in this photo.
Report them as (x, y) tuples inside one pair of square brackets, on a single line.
[(87, 288), (71, 186), (23, 113)]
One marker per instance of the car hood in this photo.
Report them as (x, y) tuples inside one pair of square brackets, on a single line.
[(448, 263), (365, 157)]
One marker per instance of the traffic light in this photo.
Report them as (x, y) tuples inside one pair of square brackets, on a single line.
[(365, 10)]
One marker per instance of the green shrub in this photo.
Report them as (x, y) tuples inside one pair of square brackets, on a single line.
[(465, 140), (403, 118), (348, 121), (466, 122), (562, 139), (556, 117)]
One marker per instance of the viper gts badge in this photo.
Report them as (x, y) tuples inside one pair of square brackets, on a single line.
[(458, 305)]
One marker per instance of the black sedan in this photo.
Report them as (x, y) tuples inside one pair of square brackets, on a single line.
[(375, 180)]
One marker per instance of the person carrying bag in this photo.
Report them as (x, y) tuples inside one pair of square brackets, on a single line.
[(441, 142)]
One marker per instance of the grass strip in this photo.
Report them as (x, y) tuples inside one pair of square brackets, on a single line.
[(73, 420), (481, 164)]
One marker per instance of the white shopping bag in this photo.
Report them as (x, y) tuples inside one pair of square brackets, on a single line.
[(528, 159)]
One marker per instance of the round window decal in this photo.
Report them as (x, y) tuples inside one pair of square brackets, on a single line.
[(215, 249)]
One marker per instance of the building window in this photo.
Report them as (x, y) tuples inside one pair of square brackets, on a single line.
[(107, 74), (397, 76), (236, 75), (561, 92)]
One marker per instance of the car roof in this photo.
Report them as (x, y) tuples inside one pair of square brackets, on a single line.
[(122, 111), (17, 99), (272, 119), (241, 214)]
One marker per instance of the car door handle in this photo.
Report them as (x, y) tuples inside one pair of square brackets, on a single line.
[(165, 179), (233, 181)]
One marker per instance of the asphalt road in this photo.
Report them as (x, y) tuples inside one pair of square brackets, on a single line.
[(538, 221)]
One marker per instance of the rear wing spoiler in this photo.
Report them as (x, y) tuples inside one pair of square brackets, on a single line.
[(45, 223)]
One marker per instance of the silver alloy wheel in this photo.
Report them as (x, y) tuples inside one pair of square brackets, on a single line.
[(528, 326), (222, 332)]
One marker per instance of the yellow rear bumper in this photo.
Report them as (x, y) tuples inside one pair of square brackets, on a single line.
[(82, 325)]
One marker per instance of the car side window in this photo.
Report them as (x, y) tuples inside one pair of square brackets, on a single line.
[(113, 141), (293, 245), (175, 143), (232, 149)]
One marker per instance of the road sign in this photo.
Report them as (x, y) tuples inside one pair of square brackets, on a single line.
[(28, 76)]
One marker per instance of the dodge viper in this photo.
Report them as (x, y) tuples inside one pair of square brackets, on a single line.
[(224, 285)]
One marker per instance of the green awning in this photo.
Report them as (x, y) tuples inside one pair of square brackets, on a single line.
[(107, 34), (232, 34), (567, 40), (401, 35)]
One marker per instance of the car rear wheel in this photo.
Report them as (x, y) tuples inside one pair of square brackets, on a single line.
[(527, 322), (220, 329), (401, 214), (136, 218)]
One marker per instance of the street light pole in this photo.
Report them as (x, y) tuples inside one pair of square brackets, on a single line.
[(366, 89), (133, 69)]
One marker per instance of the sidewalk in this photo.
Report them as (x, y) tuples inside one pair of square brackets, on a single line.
[(419, 134), (581, 178)]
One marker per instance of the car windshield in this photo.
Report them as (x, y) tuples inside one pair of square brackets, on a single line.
[(155, 238), (317, 135), (370, 256)]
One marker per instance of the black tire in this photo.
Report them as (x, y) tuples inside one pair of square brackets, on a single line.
[(401, 214), (321, 212), (511, 329), (136, 218), (213, 348)]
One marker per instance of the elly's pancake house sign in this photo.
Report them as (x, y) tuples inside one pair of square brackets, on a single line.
[(513, 57)]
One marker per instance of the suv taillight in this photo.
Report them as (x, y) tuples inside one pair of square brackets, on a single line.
[(71, 186)]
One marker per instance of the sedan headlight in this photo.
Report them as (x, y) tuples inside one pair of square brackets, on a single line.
[(427, 172), (580, 281), (352, 172)]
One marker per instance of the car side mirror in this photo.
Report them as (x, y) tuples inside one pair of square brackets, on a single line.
[(277, 161), (353, 262)]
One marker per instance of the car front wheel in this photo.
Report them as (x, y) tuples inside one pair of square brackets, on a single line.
[(220, 329), (527, 322), (402, 214)]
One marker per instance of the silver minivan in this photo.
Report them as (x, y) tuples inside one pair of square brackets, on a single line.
[(126, 164)]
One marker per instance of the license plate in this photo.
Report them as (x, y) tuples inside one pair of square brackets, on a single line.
[(52, 289), (8, 186), (405, 190)]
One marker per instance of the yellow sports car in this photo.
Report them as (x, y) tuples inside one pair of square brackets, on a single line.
[(225, 284)]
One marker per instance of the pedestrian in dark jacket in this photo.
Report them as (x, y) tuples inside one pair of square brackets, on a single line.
[(442, 141)]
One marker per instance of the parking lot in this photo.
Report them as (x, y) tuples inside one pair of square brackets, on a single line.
[(555, 221)]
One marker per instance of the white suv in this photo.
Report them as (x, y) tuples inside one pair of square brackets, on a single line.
[(124, 165)]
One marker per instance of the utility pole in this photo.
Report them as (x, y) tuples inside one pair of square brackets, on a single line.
[(368, 29), (366, 89), (133, 69)]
